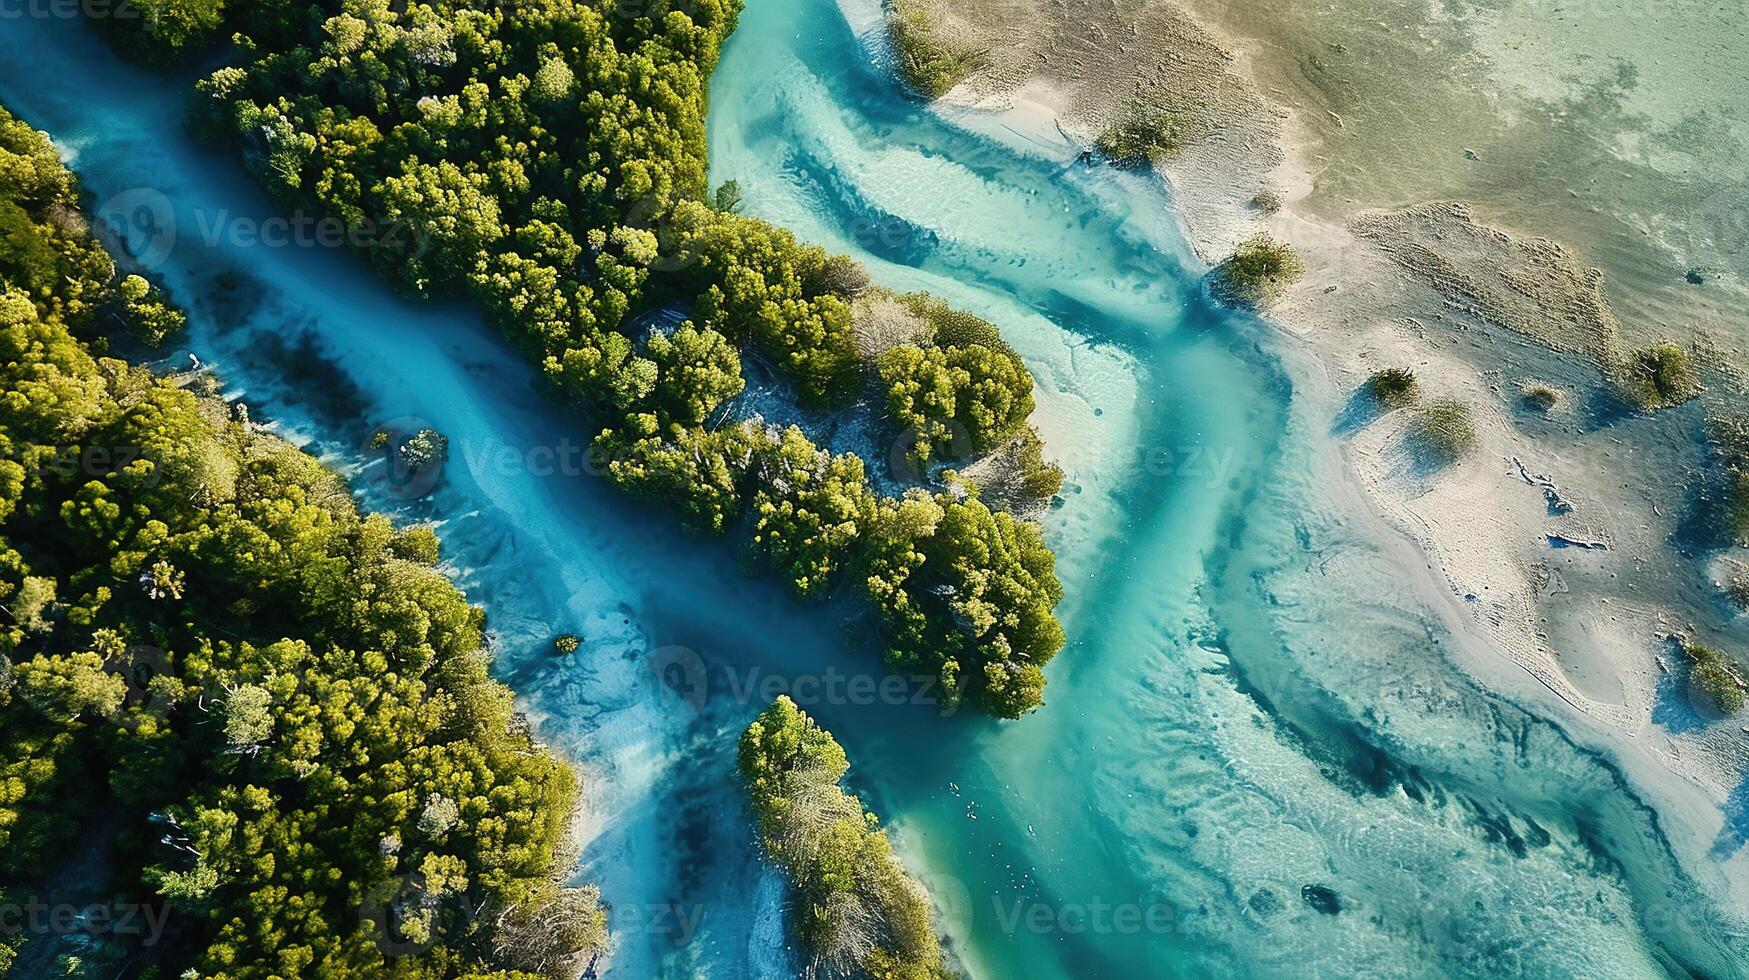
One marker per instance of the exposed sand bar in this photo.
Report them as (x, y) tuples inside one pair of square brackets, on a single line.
[(1496, 198)]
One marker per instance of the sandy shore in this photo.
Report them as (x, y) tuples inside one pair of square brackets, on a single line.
[(1551, 543)]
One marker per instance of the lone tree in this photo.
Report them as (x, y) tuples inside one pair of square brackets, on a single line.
[(1258, 271), (427, 446)]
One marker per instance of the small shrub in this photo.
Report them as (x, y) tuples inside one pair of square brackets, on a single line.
[(1138, 140), (1260, 269), (1735, 505), (1267, 201), (1394, 387), (1541, 397), (567, 643), (1445, 430), (928, 62), (1660, 376), (427, 447), (1714, 677)]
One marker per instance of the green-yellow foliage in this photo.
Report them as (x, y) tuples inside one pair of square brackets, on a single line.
[(857, 910), (928, 59), (1258, 271), (1444, 430), (1715, 678), (551, 165), (1660, 376), (1139, 139), (808, 513), (1393, 387), (246, 684), (965, 595)]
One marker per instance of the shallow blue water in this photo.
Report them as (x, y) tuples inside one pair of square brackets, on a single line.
[(1251, 702)]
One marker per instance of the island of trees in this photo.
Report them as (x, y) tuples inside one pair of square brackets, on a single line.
[(226, 693), (547, 159), (856, 911)]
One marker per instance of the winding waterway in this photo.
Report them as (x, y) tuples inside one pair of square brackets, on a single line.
[(1263, 752)]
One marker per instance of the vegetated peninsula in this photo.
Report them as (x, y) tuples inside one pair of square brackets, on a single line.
[(226, 696), (856, 911), (548, 160)]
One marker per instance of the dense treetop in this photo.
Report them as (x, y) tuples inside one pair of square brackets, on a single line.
[(547, 158), (269, 710)]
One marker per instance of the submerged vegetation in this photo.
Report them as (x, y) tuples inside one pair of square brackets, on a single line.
[(1737, 590), (1258, 271), (1444, 430), (547, 159), (857, 912), (928, 59), (269, 710)]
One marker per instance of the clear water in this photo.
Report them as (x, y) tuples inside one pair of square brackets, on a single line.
[(1616, 127), (1253, 699)]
